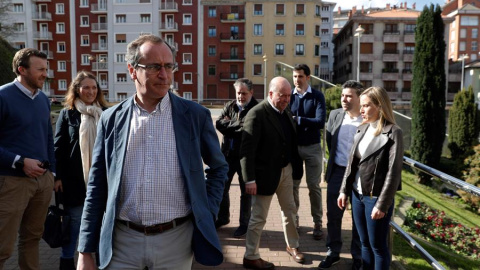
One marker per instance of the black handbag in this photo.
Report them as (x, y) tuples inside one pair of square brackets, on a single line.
[(57, 225)]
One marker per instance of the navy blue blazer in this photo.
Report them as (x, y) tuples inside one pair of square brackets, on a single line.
[(196, 141)]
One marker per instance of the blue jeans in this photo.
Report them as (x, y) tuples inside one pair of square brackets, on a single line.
[(373, 233), (68, 250)]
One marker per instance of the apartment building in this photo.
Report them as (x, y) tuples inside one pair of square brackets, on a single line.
[(383, 53)]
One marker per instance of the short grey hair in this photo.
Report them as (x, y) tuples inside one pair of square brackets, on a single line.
[(133, 55)]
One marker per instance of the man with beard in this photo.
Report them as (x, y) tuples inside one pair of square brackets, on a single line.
[(26, 158)]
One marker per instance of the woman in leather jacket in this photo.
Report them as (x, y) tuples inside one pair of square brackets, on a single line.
[(373, 175), (75, 134)]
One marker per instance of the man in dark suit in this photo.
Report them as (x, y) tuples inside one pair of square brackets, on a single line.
[(341, 128), (147, 189), (267, 151)]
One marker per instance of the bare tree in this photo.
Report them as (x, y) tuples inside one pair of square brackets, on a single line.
[(6, 26)]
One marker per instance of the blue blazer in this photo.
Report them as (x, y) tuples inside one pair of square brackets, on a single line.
[(197, 142)]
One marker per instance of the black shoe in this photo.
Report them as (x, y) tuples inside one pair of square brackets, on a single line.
[(328, 262), (240, 231), (357, 264), (67, 264), (219, 223)]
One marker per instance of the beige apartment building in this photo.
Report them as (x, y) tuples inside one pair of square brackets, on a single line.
[(283, 31), (383, 54)]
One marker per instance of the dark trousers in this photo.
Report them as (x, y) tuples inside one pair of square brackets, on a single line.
[(373, 233), (335, 216), (245, 199)]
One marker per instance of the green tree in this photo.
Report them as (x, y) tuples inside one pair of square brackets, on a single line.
[(6, 55), (332, 98), (428, 90), (462, 124)]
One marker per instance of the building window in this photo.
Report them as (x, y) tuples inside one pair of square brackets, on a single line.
[(409, 48), (257, 29), (299, 29), (121, 38), (325, 8), (187, 58), (84, 21), (324, 44), (60, 28), (462, 46), (279, 49), (258, 9), (121, 96), (62, 84), (61, 46), (452, 47), (187, 95), (145, 18), (187, 78), (317, 10), (317, 30), (316, 70), (410, 28), (299, 49), (187, 39), (300, 9), (474, 46), (212, 31), (366, 67), (391, 28), (280, 29), (187, 19), (469, 20), (212, 12), (325, 20), (62, 66), (84, 3), (212, 70), (187, 2), (59, 9), (474, 33), (120, 18), (463, 33), (317, 50), (120, 58), (18, 8), (19, 27), (85, 40), (325, 31), (212, 50), (257, 49), (121, 77), (280, 9), (257, 69), (390, 86), (85, 59)]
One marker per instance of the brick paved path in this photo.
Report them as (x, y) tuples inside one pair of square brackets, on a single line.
[(272, 246)]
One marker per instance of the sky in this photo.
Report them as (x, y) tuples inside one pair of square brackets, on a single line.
[(348, 4)]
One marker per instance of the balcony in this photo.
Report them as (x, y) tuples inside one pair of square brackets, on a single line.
[(99, 27), (391, 36), (232, 37), (42, 16), (168, 27), (406, 95), (393, 93), (41, 1), (407, 74), (390, 55), (99, 47), (99, 8), (228, 57), (390, 74), (408, 55), (42, 35), (168, 7), (100, 66), (230, 76), (232, 17), (364, 76)]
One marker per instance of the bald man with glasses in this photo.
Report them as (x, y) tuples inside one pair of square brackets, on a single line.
[(150, 204)]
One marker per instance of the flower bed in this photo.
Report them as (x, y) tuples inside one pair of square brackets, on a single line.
[(436, 226)]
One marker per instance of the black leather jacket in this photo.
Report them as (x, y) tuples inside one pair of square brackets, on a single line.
[(380, 167)]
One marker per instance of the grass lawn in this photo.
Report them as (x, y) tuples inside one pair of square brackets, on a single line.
[(409, 258)]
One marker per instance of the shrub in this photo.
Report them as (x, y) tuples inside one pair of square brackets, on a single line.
[(332, 98), (434, 225), (471, 175)]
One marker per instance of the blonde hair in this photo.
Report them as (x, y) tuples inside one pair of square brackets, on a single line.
[(379, 97), (74, 88)]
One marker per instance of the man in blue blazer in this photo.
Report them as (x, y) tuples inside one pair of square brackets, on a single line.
[(149, 202)]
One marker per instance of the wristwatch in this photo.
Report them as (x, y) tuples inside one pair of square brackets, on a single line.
[(19, 163)]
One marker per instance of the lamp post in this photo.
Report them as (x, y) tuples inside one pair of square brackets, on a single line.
[(265, 77), (358, 33), (465, 56)]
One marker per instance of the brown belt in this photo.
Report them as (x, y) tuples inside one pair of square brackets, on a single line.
[(157, 228)]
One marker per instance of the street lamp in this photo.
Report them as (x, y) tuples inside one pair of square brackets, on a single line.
[(358, 33), (265, 77), (465, 56)]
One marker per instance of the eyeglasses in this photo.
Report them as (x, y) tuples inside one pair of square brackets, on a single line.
[(155, 68)]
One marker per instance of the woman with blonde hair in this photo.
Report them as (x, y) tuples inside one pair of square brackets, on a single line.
[(373, 175), (75, 133)]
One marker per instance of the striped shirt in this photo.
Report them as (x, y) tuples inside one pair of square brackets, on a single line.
[(152, 187)]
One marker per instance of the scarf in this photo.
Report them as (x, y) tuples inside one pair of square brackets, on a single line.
[(87, 133)]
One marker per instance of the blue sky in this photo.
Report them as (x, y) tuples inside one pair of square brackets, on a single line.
[(348, 4)]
